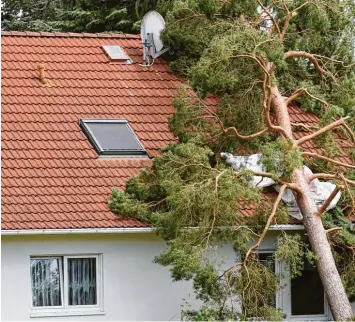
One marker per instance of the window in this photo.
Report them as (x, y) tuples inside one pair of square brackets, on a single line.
[(302, 298), (267, 259), (66, 284), (312, 301), (116, 53), (112, 137)]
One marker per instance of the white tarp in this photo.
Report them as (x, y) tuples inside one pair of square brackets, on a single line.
[(320, 191)]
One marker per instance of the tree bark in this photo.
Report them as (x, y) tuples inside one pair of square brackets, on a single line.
[(333, 286)]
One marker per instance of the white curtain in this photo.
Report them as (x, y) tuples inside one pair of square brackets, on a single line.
[(45, 278), (82, 281)]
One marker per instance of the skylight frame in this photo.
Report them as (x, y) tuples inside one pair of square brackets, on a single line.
[(83, 123), (117, 54)]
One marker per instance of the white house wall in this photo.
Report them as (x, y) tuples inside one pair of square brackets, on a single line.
[(135, 288)]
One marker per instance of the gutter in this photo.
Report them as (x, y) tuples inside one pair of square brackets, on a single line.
[(138, 230)]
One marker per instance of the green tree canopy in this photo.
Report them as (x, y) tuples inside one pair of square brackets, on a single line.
[(70, 16), (256, 57)]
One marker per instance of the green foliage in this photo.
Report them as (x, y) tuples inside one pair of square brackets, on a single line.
[(188, 121), (258, 285), (280, 158), (70, 16), (189, 195), (182, 189), (261, 215), (343, 245), (292, 250), (221, 70)]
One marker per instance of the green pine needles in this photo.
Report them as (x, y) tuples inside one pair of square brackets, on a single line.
[(239, 51)]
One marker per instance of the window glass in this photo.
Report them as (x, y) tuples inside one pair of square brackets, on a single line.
[(307, 293), (46, 282), (268, 260), (82, 287), (114, 136)]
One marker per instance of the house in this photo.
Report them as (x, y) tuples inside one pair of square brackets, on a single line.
[(66, 98)]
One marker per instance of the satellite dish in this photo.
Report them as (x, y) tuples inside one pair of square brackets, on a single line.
[(152, 26)]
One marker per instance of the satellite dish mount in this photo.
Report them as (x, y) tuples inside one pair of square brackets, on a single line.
[(152, 26)]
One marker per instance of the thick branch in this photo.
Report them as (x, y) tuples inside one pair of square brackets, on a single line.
[(301, 91), (262, 236), (289, 16), (331, 177), (269, 95), (321, 157), (305, 127), (321, 131), (304, 54), (268, 223), (288, 185), (324, 207)]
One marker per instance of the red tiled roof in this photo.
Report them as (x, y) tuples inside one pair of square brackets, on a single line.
[(51, 175)]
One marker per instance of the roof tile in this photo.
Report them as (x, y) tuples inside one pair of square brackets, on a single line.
[(52, 177)]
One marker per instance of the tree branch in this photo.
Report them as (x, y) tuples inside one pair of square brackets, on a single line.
[(294, 95), (215, 209), (268, 223), (321, 131), (323, 208), (349, 131), (274, 22), (262, 236), (289, 16), (304, 126), (321, 157), (333, 229), (304, 54), (240, 136), (301, 91), (331, 177), (348, 192), (267, 92), (272, 176)]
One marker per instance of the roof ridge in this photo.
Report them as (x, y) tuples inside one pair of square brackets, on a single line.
[(68, 34)]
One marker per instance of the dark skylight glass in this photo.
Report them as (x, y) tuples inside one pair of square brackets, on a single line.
[(112, 137)]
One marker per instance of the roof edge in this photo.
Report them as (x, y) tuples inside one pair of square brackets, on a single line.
[(67, 35), (81, 231)]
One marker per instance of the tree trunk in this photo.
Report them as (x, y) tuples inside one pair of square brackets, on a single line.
[(333, 286)]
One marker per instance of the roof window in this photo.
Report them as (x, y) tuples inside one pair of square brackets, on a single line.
[(112, 137), (117, 54)]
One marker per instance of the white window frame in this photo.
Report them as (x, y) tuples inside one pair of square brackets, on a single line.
[(65, 309), (283, 299), (283, 296)]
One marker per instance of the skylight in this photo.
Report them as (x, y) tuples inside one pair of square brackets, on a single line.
[(116, 53), (112, 137)]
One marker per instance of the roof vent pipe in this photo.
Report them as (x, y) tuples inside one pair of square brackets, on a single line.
[(42, 78)]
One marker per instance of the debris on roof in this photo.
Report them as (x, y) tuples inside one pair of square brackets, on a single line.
[(52, 176)]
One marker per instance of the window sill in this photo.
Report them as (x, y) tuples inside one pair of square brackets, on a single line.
[(313, 317), (66, 312)]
